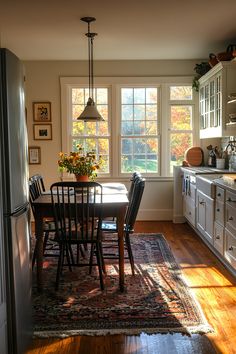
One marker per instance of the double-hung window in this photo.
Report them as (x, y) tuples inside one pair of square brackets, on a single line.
[(181, 113)]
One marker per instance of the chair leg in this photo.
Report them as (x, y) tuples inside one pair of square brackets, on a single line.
[(45, 240), (103, 262), (68, 257), (59, 265), (99, 262), (91, 258), (130, 253)]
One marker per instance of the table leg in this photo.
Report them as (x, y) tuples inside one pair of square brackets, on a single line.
[(120, 225), (39, 249)]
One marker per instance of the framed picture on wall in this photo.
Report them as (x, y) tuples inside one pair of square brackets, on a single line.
[(42, 111), (42, 132), (34, 155)]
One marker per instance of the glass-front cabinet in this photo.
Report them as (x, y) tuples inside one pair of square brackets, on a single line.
[(215, 87)]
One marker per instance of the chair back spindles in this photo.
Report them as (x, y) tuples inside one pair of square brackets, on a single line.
[(77, 222)]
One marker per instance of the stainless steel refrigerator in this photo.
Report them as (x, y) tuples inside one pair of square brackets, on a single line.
[(14, 213)]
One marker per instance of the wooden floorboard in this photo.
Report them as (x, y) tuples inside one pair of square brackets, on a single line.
[(212, 285)]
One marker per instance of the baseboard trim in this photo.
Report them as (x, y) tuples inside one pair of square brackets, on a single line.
[(155, 214)]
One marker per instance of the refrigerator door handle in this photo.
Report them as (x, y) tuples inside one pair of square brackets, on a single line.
[(24, 208)]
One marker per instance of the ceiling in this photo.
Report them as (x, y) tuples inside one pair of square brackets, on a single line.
[(127, 29)]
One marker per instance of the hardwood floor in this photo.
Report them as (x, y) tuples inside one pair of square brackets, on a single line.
[(212, 285)]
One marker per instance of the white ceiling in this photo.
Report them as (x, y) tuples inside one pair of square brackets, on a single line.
[(127, 29)]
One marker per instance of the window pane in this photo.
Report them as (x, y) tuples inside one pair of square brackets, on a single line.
[(91, 128), (127, 96), (139, 112), (102, 128), (126, 146), (78, 96), (127, 128), (77, 110), (179, 143), (139, 95), (127, 112), (139, 128), (181, 92), (151, 112), (101, 97), (151, 128), (151, 95), (181, 117), (77, 128), (103, 110)]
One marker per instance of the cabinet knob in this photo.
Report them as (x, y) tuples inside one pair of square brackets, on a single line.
[(217, 237), (231, 248), (231, 218), (190, 213), (219, 195), (202, 202), (217, 209)]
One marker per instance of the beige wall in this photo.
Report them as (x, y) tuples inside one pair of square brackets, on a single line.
[(42, 84)]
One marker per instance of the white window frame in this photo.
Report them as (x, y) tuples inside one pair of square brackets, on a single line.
[(190, 102), (114, 85)]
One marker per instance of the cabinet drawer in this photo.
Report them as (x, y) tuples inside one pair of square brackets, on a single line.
[(219, 212), (218, 240), (230, 248), (230, 216), (231, 198), (220, 194)]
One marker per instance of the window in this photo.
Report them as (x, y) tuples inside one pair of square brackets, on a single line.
[(149, 122), (139, 130), (91, 135), (181, 123)]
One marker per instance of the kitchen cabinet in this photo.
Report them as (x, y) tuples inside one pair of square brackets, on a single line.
[(189, 200), (214, 89), (205, 215)]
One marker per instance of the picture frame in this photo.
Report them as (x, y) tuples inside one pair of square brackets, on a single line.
[(42, 132), (42, 112), (34, 155)]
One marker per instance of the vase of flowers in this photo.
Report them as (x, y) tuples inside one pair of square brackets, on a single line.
[(83, 165)]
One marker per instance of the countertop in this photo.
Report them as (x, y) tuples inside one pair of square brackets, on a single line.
[(225, 184), (198, 170)]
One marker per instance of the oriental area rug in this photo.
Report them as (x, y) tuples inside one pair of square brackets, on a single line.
[(156, 299)]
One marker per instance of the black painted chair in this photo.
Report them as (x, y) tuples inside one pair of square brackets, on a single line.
[(111, 226), (78, 223), (37, 188)]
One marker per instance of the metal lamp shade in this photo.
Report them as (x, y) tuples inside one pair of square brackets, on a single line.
[(90, 113)]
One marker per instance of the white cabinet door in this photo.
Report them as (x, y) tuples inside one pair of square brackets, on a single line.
[(205, 215), (215, 87)]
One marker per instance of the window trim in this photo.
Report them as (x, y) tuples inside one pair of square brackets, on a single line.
[(114, 84)]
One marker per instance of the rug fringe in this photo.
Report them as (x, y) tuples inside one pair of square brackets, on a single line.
[(201, 329)]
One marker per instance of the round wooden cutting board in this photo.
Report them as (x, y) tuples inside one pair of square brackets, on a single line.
[(194, 156)]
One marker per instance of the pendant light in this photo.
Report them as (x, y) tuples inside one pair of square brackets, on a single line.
[(90, 113)]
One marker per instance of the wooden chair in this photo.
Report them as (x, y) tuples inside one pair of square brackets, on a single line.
[(78, 222), (36, 188), (130, 218)]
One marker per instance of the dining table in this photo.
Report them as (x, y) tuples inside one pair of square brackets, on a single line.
[(114, 204)]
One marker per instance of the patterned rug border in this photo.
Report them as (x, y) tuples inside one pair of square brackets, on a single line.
[(202, 328)]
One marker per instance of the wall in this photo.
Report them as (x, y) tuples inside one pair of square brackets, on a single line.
[(42, 84)]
